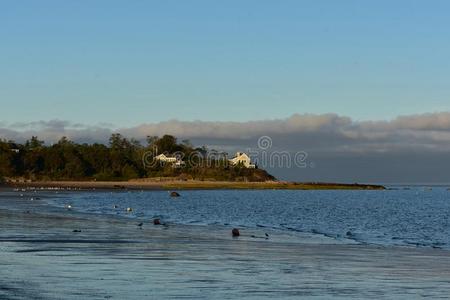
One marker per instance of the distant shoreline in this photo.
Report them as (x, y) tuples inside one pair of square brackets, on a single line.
[(151, 184)]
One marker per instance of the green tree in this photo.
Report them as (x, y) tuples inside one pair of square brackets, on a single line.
[(34, 143), (167, 144)]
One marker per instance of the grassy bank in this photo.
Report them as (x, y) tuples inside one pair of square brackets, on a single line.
[(193, 184)]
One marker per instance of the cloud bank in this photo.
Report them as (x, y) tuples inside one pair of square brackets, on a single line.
[(330, 139), (427, 131)]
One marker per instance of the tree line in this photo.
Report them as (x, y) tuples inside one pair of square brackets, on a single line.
[(120, 159)]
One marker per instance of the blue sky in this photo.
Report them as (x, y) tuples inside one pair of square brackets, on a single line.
[(131, 62)]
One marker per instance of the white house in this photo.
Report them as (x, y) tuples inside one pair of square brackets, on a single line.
[(164, 158), (242, 158), (175, 161)]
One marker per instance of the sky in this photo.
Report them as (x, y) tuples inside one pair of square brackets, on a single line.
[(87, 68)]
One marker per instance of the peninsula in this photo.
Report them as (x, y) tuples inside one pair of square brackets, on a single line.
[(163, 163)]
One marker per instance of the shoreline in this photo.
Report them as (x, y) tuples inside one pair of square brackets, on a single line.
[(151, 184), (111, 257), (39, 209)]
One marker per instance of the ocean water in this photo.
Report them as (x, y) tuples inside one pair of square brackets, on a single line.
[(407, 216)]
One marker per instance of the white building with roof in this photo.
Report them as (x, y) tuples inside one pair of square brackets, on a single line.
[(164, 158), (175, 161), (242, 158)]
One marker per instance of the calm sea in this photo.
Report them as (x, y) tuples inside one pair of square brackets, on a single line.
[(403, 216)]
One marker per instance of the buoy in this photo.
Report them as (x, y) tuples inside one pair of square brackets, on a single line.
[(156, 222), (174, 194), (69, 207), (235, 232)]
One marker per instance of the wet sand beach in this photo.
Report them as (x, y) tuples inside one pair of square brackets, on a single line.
[(109, 257)]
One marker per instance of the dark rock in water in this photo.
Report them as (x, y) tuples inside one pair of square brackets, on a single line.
[(235, 232), (76, 230), (174, 194), (349, 233), (156, 222)]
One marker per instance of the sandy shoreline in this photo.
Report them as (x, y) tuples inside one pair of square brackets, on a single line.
[(42, 258), (153, 184)]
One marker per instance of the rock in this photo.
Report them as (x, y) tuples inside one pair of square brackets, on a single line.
[(174, 194), (156, 222), (235, 232)]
